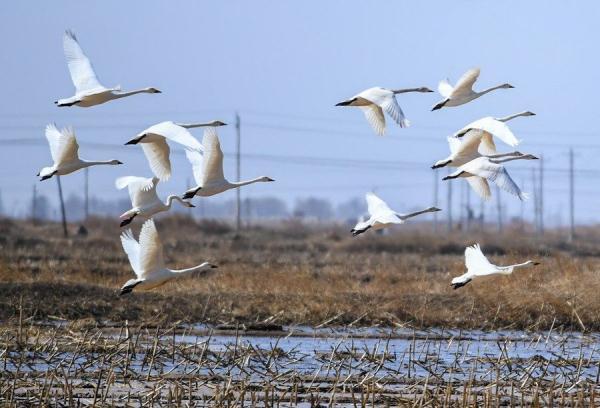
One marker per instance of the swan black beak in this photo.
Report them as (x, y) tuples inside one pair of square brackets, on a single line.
[(446, 178), (213, 266), (270, 179), (191, 205), (119, 162), (537, 263)]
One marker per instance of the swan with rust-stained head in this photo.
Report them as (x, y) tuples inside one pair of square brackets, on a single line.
[(88, 90), (147, 261), (374, 101)]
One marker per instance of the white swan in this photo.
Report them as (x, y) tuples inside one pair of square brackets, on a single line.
[(374, 101), (146, 259), (462, 92), (495, 127), (88, 90), (382, 216), (144, 200), (478, 265), (208, 168), (466, 149), (64, 150), (155, 147), (491, 169)]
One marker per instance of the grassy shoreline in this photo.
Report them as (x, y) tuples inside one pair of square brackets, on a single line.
[(294, 274)]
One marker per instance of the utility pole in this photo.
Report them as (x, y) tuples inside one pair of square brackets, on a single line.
[(571, 195), (449, 205), (87, 197), (481, 214), (499, 209), (62, 207), (435, 199), (542, 195), (536, 207), (34, 205), (461, 213), (238, 201)]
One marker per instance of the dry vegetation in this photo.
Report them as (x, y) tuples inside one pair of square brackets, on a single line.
[(294, 274)]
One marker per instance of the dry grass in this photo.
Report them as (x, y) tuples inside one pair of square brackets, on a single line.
[(294, 274)]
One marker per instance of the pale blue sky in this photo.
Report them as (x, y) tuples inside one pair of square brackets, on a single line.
[(283, 66)]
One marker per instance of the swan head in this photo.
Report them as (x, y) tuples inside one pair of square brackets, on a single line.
[(433, 209), (346, 103), (207, 265), (532, 263), (153, 90), (528, 157), (506, 86), (266, 179), (423, 89), (115, 162), (216, 123), (528, 113), (188, 204)]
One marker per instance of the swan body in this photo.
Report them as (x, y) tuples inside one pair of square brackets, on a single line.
[(478, 265), (495, 127), (156, 149), (208, 168), (374, 101), (144, 200), (147, 261), (462, 92), (382, 216), (492, 169), (65, 154), (88, 90)]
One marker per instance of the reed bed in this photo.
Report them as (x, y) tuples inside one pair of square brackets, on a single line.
[(180, 366)]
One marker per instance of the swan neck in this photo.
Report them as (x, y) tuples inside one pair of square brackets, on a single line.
[(89, 163), (245, 183), (405, 90), (511, 117), (170, 199), (187, 270), (129, 93)]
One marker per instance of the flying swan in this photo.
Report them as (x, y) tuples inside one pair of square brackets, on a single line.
[(478, 265), (208, 168), (88, 90), (146, 259), (144, 200), (64, 150), (462, 92), (374, 101), (154, 143), (382, 216), (492, 169)]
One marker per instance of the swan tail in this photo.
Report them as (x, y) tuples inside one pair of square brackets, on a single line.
[(404, 123)]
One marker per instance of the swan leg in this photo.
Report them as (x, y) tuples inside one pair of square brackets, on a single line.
[(437, 166), (450, 177), (440, 105)]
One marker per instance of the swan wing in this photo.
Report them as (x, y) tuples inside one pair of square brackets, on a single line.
[(466, 148), (390, 105), (142, 191), (151, 253), (213, 157), (464, 86), (197, 161), (63, 145), (132, 249), (476, 262), (496, 128), (374, 115), (388, 218), (487, 145), (176, 133), (157, 154), (376, 205), (480, 186), (444, 88), (496, 173), (81, 70)]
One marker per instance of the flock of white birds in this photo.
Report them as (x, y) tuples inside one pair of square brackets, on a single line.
[(472, 152)]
